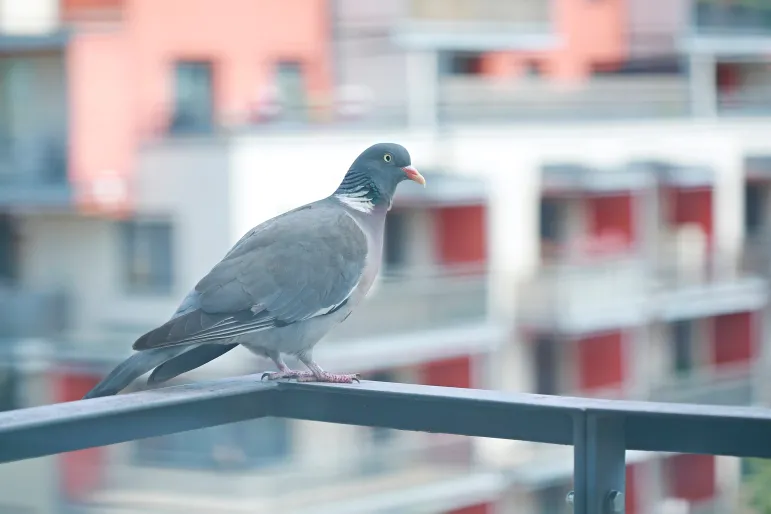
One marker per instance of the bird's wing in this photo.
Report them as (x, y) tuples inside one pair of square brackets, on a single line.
[(297, 266)]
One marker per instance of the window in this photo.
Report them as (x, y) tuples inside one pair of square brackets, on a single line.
[(147, 250), (10, 381), (754, 208), (682, 333), (552, 499), (464, 63), (395, 251), (551, 219), (546, 365), (193, 98), (245, 445), (291, 90), (9, 258)]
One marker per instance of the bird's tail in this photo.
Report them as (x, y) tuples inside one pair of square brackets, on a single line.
[(133, 368), (188, 361)]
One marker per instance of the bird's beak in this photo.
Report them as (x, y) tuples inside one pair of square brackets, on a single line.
[(414, 175)]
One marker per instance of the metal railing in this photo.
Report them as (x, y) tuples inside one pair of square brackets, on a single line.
[(600, 430)]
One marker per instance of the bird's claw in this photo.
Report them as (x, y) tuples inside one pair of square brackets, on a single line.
[(307, 376), (334, 378), (278, 375)]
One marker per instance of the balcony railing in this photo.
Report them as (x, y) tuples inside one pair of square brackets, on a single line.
[(733, 387), (420, 299), (471, 99), (600, 430), (475, 24), (734, 17), (26, 313), (586, 296), (34, 170), (387, 468), (494, 11)]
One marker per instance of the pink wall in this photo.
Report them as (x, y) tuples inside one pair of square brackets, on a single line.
[(591, 32), (102, 113), (121, 76)]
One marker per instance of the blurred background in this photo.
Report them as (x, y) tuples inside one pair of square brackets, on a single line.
[(596, 223)]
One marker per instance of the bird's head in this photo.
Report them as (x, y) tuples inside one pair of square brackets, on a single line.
[(374, 175)]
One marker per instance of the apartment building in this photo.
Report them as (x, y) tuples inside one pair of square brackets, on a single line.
[(617, 258), (157, 184)]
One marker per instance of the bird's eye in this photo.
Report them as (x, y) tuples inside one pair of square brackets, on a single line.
[(387, 157)]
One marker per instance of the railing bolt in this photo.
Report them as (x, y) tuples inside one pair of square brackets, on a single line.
[(569, 498), (615, 502)]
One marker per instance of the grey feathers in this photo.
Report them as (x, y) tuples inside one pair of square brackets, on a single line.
[(188, 361), (299, 265)]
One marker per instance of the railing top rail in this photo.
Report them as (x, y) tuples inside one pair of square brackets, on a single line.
[(47, 430)]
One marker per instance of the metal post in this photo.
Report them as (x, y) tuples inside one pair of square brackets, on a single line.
[(599, 464)]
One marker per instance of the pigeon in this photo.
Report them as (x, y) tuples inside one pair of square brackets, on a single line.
[(283, 286)]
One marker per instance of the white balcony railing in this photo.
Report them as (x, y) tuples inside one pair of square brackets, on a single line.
[(410, 299), (585, 296)]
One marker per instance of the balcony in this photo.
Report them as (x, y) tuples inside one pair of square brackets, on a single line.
[(26, 313), (473, 99), (419, 299), (476, 24), (695, 284), (710, 387), (34, 136), (386, 476), (731, 17), (33, 172), (581, 297)]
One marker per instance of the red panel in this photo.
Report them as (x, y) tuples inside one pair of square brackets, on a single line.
[(612, 216), (71, 8), (448, 373), (631, 489), (80, 470), (692, 206), (462, 236), (692, 477), (600, 360), (734, 338), (482, 508)]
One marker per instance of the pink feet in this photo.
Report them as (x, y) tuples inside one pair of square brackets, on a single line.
[(334, 378), (289, 373), (307, 376)]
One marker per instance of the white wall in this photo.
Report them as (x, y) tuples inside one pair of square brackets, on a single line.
[(273, 174), (29, 16)]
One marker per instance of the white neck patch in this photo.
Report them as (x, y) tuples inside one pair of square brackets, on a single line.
[(358, 200)]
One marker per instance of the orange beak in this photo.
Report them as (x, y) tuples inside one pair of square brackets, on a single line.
[(414, 175)]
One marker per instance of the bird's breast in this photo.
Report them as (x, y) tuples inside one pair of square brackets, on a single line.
[(373, 230)]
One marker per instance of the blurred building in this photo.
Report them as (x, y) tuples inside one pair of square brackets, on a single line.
[(621, 252)]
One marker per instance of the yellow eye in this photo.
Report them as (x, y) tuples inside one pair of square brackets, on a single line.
[(387, 157)]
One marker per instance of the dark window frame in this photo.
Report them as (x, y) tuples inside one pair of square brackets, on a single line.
[(159, 277), (193, 115)]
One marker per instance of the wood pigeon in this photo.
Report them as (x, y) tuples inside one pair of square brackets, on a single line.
[(284, 285)]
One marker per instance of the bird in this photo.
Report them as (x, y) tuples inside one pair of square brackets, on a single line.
[(283, 286)]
